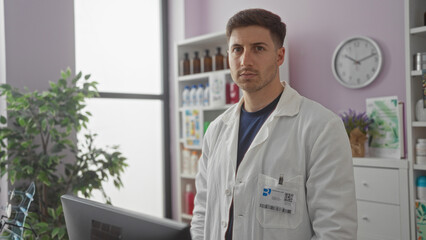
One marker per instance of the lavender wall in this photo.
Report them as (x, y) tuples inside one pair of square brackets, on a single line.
[(315, 28)]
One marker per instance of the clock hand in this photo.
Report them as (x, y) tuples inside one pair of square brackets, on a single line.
[(353, 60), (369, 56)]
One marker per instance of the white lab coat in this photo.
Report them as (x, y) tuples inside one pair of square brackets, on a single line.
[(301, 140)]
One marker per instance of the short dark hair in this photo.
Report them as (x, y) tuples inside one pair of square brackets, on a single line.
[(259, 17)]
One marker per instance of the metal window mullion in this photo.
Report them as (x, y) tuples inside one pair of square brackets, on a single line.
[(132, 96)]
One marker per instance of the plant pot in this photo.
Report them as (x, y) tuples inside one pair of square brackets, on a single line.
[(357, 139)]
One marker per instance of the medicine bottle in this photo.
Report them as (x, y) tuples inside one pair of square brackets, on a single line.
[(189, 199), (208, 63), (218, 60), (186, 65), (194, 163), (196, 63), (421, 188)]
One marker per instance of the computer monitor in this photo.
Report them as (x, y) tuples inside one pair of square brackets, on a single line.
[(86, 219)]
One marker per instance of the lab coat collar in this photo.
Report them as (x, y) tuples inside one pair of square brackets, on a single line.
[(288, 105)]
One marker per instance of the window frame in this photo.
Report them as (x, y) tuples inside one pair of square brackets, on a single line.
[(165, 98)]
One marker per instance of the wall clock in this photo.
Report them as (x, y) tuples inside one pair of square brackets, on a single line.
[(357, 62)]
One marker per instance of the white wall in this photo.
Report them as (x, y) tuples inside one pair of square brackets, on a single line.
[(36, 43), (39, 41)]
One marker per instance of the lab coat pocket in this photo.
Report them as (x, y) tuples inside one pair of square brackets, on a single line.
[(279, 205)]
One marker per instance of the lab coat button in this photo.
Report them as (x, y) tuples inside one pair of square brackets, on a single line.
[(228, 192), (224, 224), (239, 180)]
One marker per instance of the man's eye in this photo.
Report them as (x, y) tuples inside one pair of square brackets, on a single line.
[(259, 48), (237, 50)]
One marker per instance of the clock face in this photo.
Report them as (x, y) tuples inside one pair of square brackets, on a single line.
[(357, 62)]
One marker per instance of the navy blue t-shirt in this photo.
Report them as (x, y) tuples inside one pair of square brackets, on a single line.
[(250, 124)]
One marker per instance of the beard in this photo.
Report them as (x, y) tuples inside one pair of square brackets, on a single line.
[(256, 82)]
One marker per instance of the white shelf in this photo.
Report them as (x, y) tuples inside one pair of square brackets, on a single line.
[(208, 108), (419, 167), (201, 41), (182, 141), (416, 73), (198, 76), (187, 176), (381, 162), (419, 124), (418, 31), (186, 216)]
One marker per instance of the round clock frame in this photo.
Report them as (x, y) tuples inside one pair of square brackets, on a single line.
[(362, 57)]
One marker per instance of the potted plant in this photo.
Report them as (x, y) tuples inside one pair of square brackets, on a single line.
[(36, 138), (356, 125)]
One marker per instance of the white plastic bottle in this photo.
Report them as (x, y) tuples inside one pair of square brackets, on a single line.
[(186, 160), (206, 101), (200, 95), (217, 91), (193, 94), (421, 187), (194, 163), (186, 98)]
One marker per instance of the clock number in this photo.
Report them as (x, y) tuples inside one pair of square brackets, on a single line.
[(356, 43)]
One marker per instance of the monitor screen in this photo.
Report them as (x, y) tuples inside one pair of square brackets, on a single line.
[(86, 219)]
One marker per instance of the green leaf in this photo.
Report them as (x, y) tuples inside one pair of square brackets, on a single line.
[(2, 120), (45, 238), (59, 211), (44, 124), (55, 232), (22, 122), (62, 233), (86, 76), (51, 212), (42, 176), (64, 75), (43, 109), (12, 176)]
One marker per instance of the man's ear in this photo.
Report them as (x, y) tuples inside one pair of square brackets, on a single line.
[(280, 55)]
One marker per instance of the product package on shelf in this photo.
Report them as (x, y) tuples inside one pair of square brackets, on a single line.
[(421, 219), (192, 128)]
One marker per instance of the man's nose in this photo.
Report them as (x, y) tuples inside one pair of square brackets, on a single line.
[(246, 58)]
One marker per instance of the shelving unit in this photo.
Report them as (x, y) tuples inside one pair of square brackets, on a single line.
[(209, 113), (415, 41)]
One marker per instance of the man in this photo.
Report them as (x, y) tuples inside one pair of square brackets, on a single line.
[(276, 165)]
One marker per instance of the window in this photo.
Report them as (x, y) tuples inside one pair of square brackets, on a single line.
[(120, 43)]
